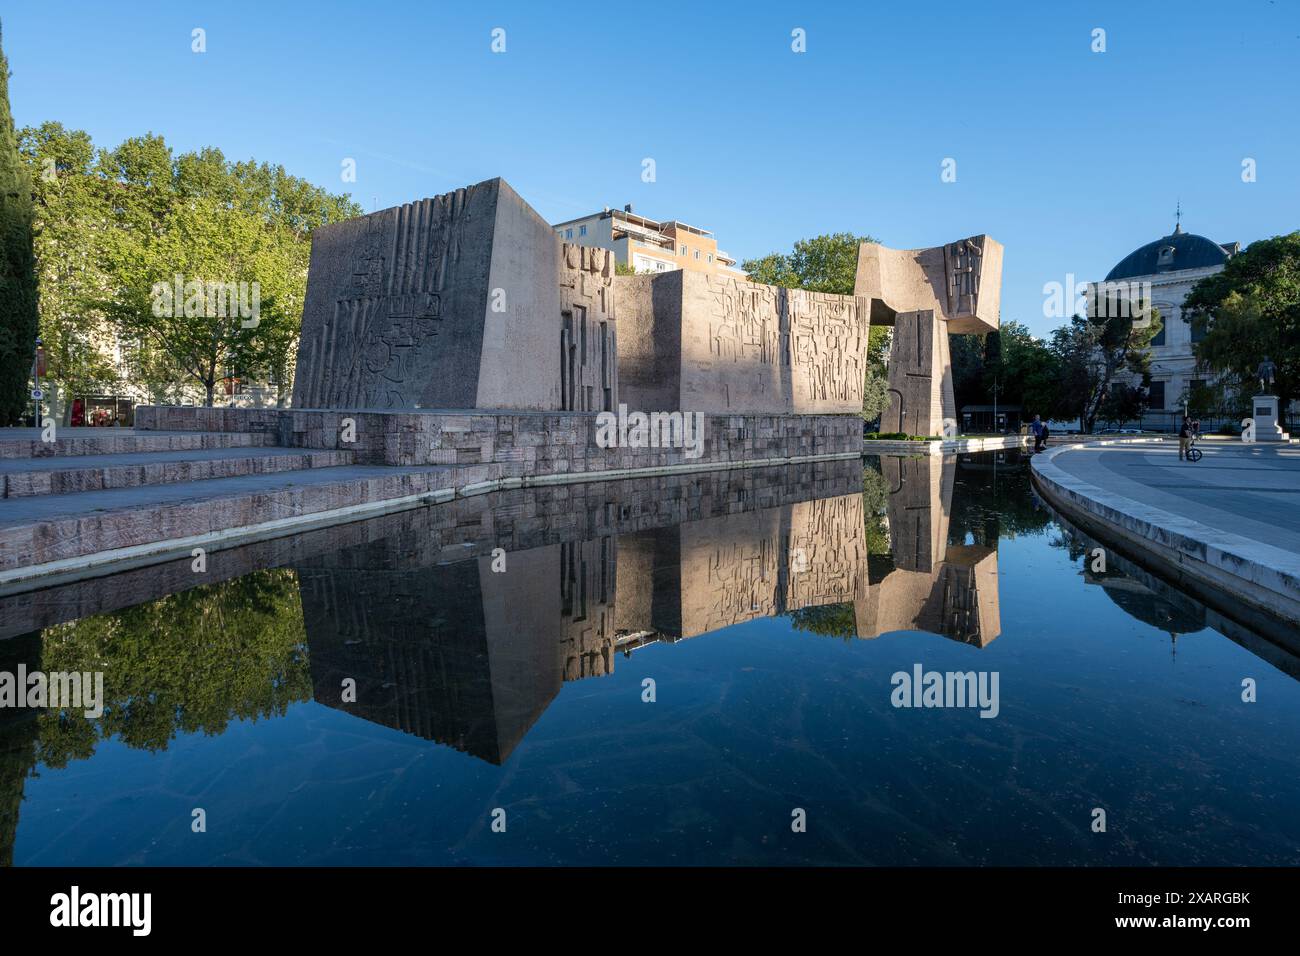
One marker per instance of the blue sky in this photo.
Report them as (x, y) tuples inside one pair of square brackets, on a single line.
[(1070, 158)]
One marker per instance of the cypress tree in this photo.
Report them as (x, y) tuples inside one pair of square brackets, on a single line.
[(18, 308)]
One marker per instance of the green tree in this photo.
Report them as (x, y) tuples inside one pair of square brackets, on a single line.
[(165, 293), (1026, 372), (138, 214), (968, 367), (1251, 311), (827, 263), (1094, 350), (1124, 403), (73, 212), (875, 396), (19, 316)]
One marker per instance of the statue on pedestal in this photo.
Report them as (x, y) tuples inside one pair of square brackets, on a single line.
[(1265, 373)]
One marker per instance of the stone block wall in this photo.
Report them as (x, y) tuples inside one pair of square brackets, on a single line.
[(514, 444)]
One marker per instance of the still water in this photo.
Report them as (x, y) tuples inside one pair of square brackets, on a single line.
[(662, 671)]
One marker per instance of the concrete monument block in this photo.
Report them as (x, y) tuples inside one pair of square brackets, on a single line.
[(449, 302), (701, 342), (927, 294), (588, 357), (922, 401), (960, 282)]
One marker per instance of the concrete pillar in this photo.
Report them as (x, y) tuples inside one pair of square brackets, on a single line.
[(921, 400)]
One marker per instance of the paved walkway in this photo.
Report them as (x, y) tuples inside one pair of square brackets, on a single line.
[(1247, 490)]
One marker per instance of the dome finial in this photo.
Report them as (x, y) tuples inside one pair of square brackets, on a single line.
[(1178, 219)]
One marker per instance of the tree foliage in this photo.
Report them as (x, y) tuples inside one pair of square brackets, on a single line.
[(18, 283), (114, 222), (1251, 311), (1093, 351)]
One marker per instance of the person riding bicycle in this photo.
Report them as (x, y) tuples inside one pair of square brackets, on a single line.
[(1184, 439)]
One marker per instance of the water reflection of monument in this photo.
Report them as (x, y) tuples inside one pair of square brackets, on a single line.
[(443, 646), (934, 586)]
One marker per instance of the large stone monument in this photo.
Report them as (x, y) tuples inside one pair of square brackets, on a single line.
[(466, 300), (926, 295), (709, 343)]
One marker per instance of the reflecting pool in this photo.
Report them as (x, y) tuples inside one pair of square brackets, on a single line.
[(693, 669)]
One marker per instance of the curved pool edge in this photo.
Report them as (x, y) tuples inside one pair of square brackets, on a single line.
[(1261, 575)]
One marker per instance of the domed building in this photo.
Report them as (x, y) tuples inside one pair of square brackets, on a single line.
[(1169, 267)]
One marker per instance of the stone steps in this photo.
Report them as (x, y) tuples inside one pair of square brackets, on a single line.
[(41, 534), (25, 443), (71, 474)]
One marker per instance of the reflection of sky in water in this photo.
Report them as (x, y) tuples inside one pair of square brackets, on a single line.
[(1098, 709)]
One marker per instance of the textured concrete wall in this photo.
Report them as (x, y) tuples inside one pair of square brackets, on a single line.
[(709, 343), (921, 398), (587, 332), (650, 340), (449, 302), (961, 282)]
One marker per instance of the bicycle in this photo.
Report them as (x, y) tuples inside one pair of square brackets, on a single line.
[(1194, 453)]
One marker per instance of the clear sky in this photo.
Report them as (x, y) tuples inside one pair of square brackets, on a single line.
[(1070, 158)]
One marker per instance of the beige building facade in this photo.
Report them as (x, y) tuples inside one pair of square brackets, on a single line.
[(649, 245)]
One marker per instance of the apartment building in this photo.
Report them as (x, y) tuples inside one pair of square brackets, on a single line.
[(649, 245)]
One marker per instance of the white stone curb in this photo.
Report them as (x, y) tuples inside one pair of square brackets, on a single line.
[(1260, 574), (946, 446)]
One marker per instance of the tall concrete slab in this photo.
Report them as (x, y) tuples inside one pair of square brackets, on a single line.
[(927, 295), (449, 302), (922, 400), (694, 341)]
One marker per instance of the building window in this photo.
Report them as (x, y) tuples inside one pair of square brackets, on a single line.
[(568, 233), (582, 230), (697, 253), (683, 248), (1156, 396), (710, 257), (1159, 337)]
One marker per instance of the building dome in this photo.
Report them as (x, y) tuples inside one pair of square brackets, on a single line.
[(1177, 251)]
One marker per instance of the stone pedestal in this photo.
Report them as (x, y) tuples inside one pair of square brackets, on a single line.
[(1266, 419)]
